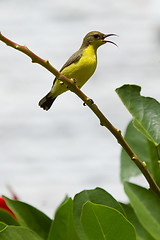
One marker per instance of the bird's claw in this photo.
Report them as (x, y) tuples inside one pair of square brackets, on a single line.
[(74, 80), (92, 102), (89, 100)]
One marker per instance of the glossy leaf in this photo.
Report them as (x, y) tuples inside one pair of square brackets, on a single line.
[(131, 216), (7, 218), (146, 205), (18, 233), (97, 195), (154, 162), (2, 226), (137, 142), (63, 226), (102, 222), (145, 111), (149, 237), (30, 217)]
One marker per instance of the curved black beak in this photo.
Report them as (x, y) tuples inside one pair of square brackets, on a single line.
[(109, 35)]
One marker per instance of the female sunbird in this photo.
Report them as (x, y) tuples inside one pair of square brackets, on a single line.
[(80, 66)]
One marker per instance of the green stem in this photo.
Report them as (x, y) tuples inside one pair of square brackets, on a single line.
[(103, 120)]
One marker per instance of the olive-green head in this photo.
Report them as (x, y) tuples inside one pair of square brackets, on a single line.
[(96, 39)]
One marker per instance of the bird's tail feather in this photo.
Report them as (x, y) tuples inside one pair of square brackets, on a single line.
[(46, 102)]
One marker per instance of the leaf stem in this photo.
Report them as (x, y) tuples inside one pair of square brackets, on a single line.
[(103, 120)]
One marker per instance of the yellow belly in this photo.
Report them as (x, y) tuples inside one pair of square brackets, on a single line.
[(81, 70)]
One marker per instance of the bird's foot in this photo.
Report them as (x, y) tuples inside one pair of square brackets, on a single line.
[(74, 80), (89, 100)]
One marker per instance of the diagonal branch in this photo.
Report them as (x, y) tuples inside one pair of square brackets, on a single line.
[(103, 120)]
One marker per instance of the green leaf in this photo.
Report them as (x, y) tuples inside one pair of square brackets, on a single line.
[(18, 233), (97, 195), (153, 162), (2, 226), (149, 237), (149, 155), (131, 216), (105, 223), (30, 217), (145, 111), (137, 142), (146, 205), (63, 226), (7, 218)]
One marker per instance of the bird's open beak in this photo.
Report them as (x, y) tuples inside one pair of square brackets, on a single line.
[(107, 41)]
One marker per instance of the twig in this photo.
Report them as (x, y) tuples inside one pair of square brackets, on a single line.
[(103, 120)]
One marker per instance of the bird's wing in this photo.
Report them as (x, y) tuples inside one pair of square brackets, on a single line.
[(74, 58)]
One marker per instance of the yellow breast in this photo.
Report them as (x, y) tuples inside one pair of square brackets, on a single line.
[(83, 69)]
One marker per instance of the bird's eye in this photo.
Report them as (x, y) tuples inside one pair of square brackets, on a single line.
[(96, 35)]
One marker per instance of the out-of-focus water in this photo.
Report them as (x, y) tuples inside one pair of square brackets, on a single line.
[(44, 155)]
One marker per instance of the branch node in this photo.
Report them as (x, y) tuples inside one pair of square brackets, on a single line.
[(134, 158), (101, 123), (46, 61), (25, 47), (144, 164), (17, 46), (119, 131)]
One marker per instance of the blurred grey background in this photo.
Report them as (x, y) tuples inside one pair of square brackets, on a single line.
[(45, 155)]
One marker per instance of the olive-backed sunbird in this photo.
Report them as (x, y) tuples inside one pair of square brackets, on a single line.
[(80, 66)]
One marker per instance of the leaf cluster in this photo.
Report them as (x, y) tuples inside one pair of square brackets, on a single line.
[(95, 214), (92, 214)]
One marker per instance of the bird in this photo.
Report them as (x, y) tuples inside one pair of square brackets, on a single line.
[(80, 66)]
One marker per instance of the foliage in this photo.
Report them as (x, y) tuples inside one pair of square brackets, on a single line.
[(95, 214), (145, 137)]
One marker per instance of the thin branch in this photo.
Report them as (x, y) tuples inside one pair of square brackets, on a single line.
[(103, 120)]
